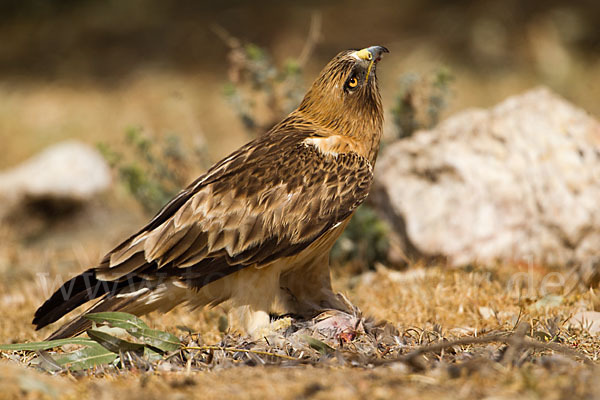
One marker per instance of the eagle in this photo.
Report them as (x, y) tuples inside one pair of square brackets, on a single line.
[(255, 231)]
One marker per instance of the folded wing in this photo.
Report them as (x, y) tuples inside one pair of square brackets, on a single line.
[(270, 199)]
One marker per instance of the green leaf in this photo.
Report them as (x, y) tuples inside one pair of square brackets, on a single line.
[(254, 52), (126, 321), (111, 330), (46, 362), (152, 355), (87, 358), (113, 343), (46, 345), (318, 345), (163, 341)]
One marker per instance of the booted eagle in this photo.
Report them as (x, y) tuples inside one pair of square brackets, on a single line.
[(256, 230)]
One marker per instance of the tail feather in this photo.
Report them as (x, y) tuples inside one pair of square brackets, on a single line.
[(70, 295), (78, 291), (134, 295)]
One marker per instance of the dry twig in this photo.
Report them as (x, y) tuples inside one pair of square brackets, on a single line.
[(516, 341), (234, 350), (314, 35)]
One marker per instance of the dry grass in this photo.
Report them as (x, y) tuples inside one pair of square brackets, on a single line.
[(425, 304)]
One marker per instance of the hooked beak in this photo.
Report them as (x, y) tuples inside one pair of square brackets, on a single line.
[(377, 52), (372, 54)]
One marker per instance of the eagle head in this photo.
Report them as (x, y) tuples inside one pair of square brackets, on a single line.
[(345, 100)]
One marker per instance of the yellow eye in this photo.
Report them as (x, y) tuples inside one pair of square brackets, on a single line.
[(353, 82)]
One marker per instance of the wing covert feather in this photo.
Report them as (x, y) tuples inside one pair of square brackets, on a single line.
[(270, 199)]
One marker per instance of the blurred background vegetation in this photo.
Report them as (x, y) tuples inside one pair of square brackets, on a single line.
[(167, 88)]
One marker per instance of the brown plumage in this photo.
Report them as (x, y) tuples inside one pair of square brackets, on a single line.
[(257, 228)]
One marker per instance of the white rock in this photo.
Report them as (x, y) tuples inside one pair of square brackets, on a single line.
[(518, 182), (65, 171)]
